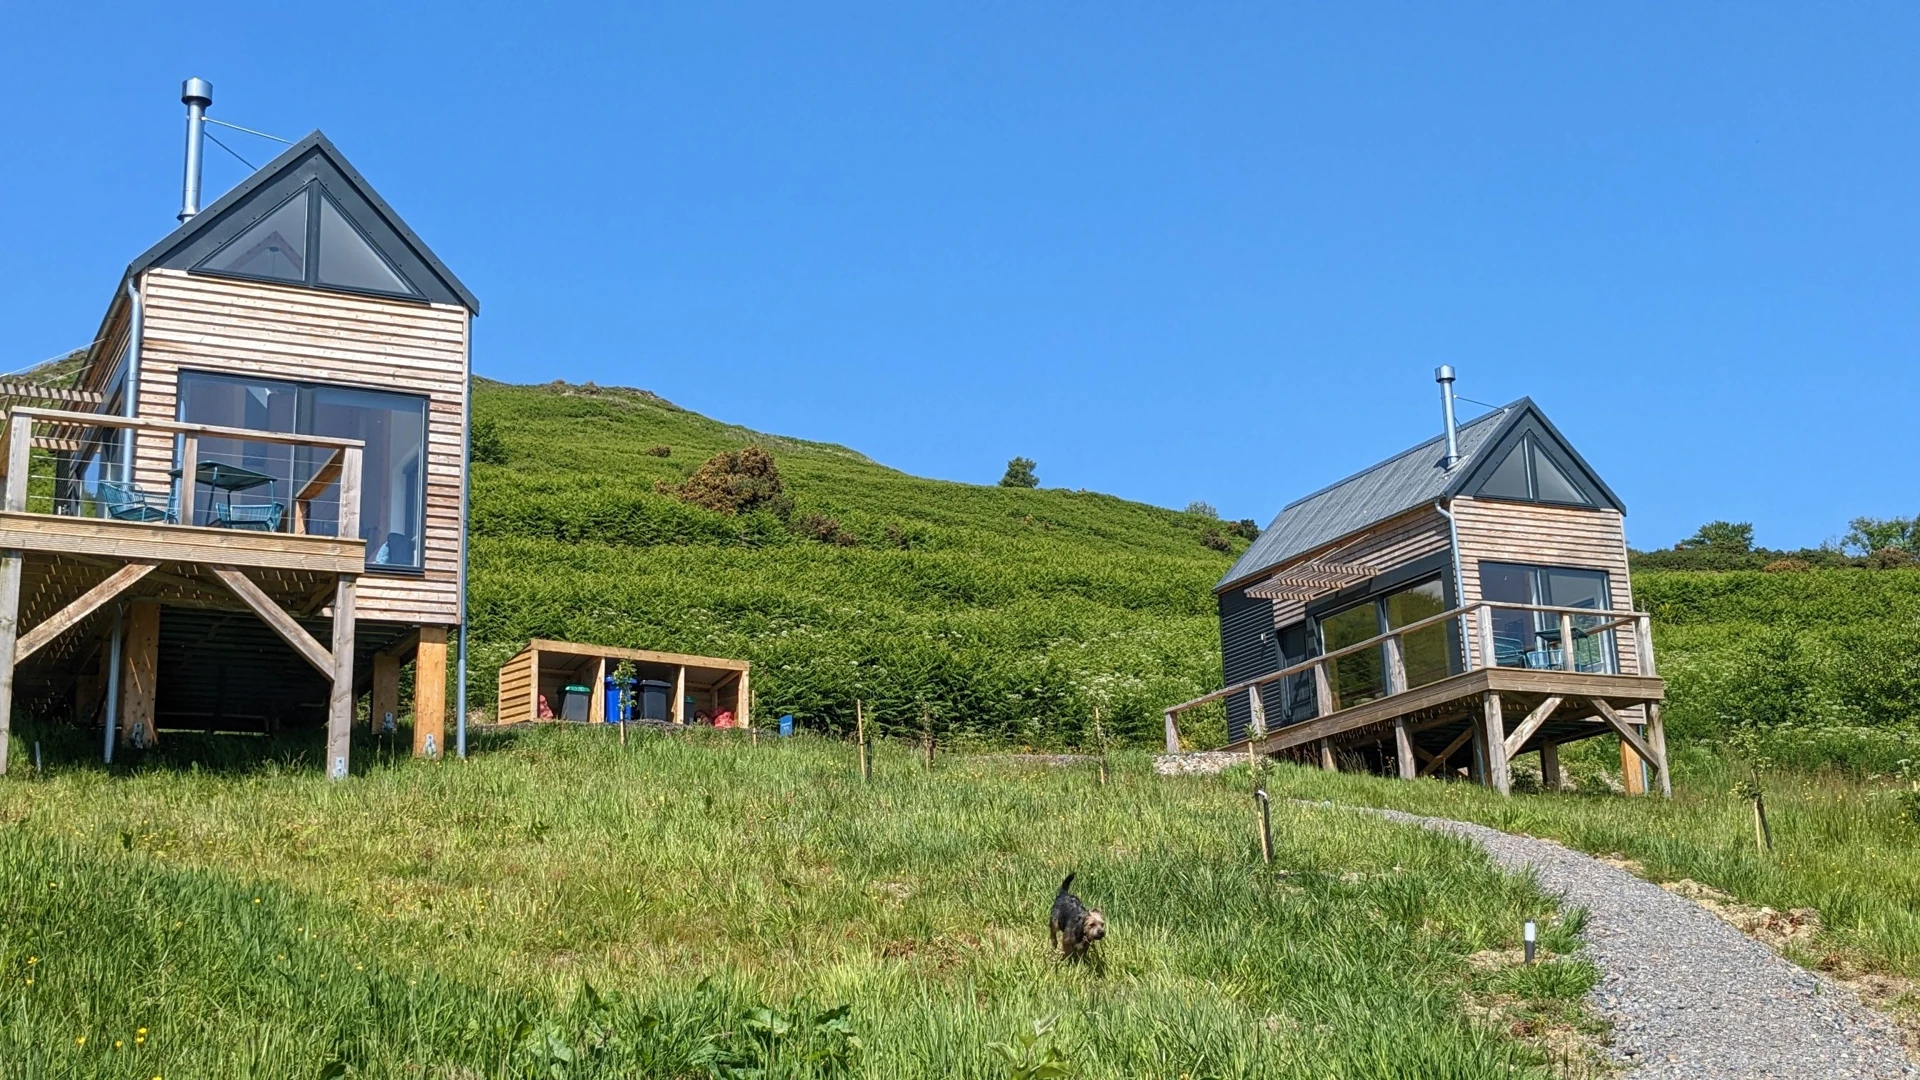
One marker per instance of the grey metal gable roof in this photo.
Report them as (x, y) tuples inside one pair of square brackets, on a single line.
[(315, 155), (1393, 487)]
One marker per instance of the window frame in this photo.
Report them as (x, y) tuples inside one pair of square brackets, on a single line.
[(1527, 445), (303, 412), (1378, 599), (1536, 590), (313, 191)]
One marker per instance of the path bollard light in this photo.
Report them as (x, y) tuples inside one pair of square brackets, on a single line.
[(38, 769), (1529, 933)]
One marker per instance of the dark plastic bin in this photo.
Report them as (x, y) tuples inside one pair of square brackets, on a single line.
[(655, 698), (575, 704)]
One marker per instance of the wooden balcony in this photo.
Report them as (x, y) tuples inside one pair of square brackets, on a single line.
[(74, 549), (1458, 723)]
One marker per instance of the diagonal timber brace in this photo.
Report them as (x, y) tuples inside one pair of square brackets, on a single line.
[(282, 623), (89, 602), (1534, 722), (1631, 737)]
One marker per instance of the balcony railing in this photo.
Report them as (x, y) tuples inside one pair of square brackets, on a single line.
[(1480, 647), (167, 473)]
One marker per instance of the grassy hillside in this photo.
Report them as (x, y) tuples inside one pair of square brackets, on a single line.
[(1009, 613), (559, 906)]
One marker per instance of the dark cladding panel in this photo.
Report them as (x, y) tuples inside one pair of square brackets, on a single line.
[(1246, 651)]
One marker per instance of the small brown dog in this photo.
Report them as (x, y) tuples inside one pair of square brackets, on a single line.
[(1073, 927)]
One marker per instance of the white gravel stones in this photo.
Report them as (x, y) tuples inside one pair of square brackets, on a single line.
[(1688, 995)]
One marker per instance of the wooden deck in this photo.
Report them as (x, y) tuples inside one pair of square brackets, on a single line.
[(1473, 722)]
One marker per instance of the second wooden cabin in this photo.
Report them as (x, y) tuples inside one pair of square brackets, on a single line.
[(1445, 610)]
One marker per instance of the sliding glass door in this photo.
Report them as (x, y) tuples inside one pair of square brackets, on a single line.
[(392, 475), (1426, 654), (1524, 638)]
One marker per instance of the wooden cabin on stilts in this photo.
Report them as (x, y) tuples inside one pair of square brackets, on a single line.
[(249, 509), (1442, 613)]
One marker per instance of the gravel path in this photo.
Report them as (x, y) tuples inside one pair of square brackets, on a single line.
[(1688, 995)]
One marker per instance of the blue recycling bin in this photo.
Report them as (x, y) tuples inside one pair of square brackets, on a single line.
[(613, 700), (786, 726)]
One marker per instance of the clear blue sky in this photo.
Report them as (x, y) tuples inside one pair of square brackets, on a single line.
[(1172, 252)]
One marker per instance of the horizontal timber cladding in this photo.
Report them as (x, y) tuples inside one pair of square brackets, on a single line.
[(201, 323), (1392, 543), (516, 690), (1539, 535), (1246, 651)]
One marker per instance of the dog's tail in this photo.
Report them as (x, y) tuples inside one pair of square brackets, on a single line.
[(1065, 885)]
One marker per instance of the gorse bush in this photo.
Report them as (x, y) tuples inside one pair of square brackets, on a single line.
[(734, 482)]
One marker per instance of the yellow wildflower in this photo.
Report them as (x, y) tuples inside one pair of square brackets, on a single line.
[(117, 1044), (32, 960), (80, 1040)]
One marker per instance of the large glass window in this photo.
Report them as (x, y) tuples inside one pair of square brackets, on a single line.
[(392, 488), (275, 247), (1426, 654), (1524, 638)]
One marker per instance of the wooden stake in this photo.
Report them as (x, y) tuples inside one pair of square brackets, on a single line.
[(1100, 738), (1762, 835), (1266, 825), (926, 734), (860, 736)]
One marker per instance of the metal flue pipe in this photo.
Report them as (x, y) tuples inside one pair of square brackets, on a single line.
[(196, 94), (1444, 376)]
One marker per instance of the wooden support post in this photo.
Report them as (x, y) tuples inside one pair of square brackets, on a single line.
[(1173, 734), (1257, 714), (1483, 622), (1396, 667), (340, 700), (1657, 740), (1550, 766), (1324, 703), (10, 566), (1566, 643), (1403, 750), (186, 490), (597, 699), (743, 701), (19, 447), (1326, 756), (679, 712), (383, 704), (140, 676), (430, 693), (1495, 746)]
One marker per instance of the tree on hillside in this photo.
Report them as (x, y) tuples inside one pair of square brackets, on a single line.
[(484, 443), (1868, 535), (1202, 508), (1020, 474), (1730, 537)]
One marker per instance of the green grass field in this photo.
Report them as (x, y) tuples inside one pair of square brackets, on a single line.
[(560, 906), (1847, 846)]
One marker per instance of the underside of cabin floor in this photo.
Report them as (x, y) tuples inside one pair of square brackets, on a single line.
[(218, 666), (1450, 727)]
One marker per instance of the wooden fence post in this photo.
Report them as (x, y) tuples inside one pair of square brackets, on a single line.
[(1100, 740), (926, 735), (860, 736)]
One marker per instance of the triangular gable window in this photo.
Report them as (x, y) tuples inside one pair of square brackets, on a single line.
[(1527, 472), (1552, 485), (281, 247), (348, 261), (275, 247), (1509, 481)]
